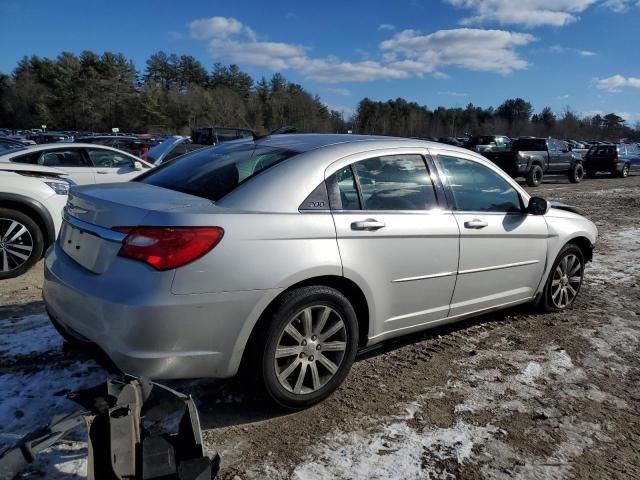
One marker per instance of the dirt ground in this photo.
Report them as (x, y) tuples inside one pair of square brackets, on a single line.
[(512, 394)]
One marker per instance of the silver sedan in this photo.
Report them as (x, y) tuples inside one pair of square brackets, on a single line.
[(287, 254)]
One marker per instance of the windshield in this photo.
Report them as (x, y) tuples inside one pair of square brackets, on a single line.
[(156, 152), (214, 172)]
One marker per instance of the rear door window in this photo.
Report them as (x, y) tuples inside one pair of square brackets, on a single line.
[(395, 182), (343, 192), (31, 158)]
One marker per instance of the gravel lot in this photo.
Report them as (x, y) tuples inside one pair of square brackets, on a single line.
[(513, 394)]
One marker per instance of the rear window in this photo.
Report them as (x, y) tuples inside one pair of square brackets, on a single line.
[(214, 172), (529, 145), (602, 150)]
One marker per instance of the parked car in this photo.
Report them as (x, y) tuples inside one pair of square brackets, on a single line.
[(49, 137), (618, 159), (132, 145), (488, 143), (171, 148), (9, 144), (532, 158), (31, 201), (83, 163), (288, 253), (217, 135)]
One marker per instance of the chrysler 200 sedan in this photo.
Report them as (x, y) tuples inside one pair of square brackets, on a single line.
[(286, 254)]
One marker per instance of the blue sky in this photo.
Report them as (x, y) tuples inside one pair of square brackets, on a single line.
[(577, 53)]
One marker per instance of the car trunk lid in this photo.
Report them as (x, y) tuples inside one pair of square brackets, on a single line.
[(87, 234)]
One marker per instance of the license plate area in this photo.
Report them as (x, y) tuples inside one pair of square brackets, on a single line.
[(82, 246)]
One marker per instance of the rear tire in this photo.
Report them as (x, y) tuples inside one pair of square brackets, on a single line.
[(577, 173), (624, 173), (21, 243), (565, 280), (534, 176), (308, 348)]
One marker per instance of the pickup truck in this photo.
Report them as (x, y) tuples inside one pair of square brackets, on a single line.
[(532, 158)]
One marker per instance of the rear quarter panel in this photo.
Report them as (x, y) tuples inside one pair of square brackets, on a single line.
[(261, 251)]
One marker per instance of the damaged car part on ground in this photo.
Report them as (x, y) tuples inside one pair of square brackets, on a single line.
[(137, 429), (297, 250)]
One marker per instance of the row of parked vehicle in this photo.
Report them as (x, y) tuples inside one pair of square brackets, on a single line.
[(532, 158)]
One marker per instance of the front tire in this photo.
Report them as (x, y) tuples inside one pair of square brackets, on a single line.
[(534, 176), (565, 279), (21, 243), (577, 173), (309, 346)]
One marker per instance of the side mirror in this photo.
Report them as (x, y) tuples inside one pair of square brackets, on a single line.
[(538, 206), (138, 166)]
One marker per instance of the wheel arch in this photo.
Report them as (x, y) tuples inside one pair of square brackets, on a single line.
[(347, 287), (584, 244), (33, 209)]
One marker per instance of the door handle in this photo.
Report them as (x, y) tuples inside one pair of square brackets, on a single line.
[(102, 172), (368, 225), (475, 224)]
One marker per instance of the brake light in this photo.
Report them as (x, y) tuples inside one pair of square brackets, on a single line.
[(616, 159), (165, 248)]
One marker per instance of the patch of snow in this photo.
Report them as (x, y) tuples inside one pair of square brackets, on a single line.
[(27, 336), (30, 398), (622, 265), (396, 451)]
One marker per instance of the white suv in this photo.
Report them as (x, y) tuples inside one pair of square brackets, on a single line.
[(31, 201)]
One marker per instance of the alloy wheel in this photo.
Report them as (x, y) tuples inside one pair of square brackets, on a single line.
[(566, 281), (16, 244), (310, 350)]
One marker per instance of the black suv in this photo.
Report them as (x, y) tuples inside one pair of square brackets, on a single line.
[(619, 159)]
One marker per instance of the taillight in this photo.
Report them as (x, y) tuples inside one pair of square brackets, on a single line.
[(616, 159), (165, 248)]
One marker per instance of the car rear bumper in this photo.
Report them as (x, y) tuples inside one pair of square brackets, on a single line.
[(163, 336)]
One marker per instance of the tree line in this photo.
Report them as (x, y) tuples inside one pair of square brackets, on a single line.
[(95, 92)]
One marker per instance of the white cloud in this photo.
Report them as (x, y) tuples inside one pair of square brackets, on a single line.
[(563, 97), (533, 13), (386, 27), (619, 6), (616, 83), (273, 55), (472, 49), (529, 13), (218, 27), (406, 54), (558, 49), (441, 76)]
